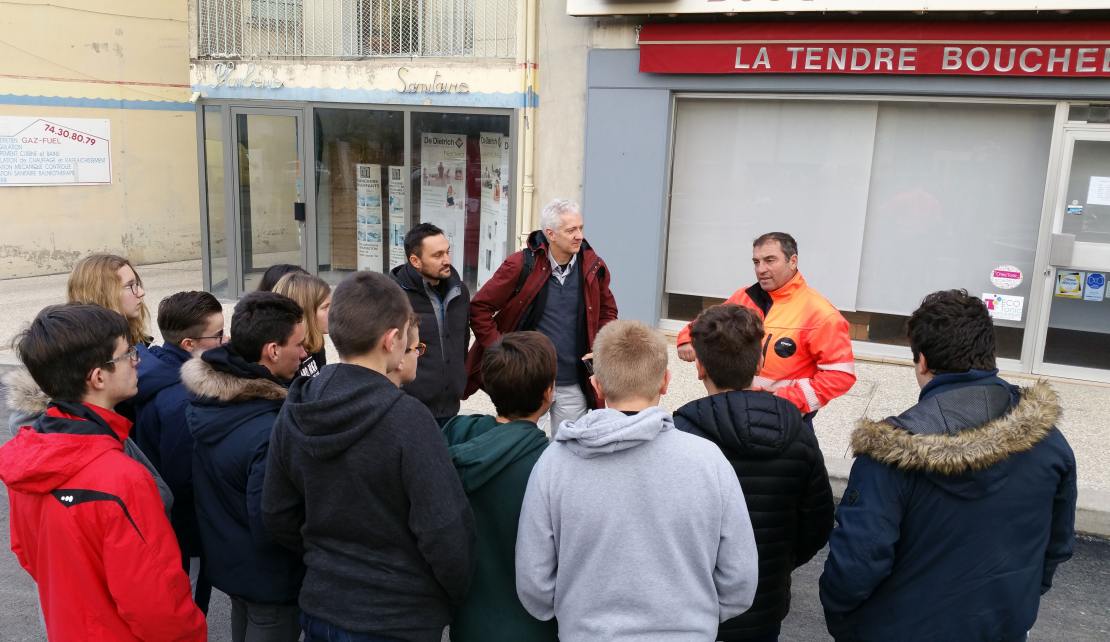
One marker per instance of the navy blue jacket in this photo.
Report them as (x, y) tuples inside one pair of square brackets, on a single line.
[(162, 434), (956, 515), (231, 419)]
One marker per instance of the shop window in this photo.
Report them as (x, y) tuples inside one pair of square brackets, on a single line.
[(888, 200), (360, 194), (461, 181)]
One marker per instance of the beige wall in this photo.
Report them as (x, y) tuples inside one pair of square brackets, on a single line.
[(563, 45), (134, 54)]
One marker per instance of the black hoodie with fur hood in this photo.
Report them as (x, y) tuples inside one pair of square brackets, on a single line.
[(360, 480)]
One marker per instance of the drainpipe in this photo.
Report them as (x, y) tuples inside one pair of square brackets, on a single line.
[(526, 44)]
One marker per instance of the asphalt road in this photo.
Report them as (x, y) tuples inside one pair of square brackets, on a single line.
[(1077, 608)]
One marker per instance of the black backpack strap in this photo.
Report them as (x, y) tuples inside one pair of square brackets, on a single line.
[(526, 269)]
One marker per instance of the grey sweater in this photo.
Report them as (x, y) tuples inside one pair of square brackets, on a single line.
[(631, 530)]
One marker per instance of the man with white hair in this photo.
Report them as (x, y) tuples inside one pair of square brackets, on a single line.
[(556, 285)]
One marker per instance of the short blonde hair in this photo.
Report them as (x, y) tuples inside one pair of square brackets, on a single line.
[(94, 280), (630, 360), (309, 292)]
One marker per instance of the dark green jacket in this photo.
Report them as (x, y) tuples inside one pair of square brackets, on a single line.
[(494, 462)]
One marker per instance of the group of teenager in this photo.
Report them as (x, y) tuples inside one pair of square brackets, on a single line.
[(350, 501)]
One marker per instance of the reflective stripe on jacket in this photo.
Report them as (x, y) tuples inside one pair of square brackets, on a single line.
[(808, 349)]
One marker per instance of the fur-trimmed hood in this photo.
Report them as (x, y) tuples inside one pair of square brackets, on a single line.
[(203, 380), (968, 451), (22, 395)]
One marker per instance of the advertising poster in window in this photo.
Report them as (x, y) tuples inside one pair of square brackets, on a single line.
[(494, 226), (443, 185), (396, 216), (368, 230)]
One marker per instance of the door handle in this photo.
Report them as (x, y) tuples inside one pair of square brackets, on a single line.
[(298, 212)]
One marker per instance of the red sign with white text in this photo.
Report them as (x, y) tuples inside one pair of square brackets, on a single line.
[(1056, 49)]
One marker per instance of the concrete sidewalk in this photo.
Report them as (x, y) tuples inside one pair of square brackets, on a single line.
[(882, 389)]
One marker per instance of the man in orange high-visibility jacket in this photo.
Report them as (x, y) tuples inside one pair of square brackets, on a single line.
[(807, 348)]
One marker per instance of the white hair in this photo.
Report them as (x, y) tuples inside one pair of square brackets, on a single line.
[(554, 211)]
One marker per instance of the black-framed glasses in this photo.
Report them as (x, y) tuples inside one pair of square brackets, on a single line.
[(219, 335), (135, 288), (132, 354), (420, 349)]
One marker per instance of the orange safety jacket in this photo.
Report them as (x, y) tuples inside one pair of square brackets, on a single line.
[(807, 346)]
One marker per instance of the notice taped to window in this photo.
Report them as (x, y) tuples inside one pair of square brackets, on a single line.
[(54, 151)]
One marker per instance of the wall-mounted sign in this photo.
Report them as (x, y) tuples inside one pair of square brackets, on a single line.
[(231, 74), (1004, 307), (1069, 285), (434, 85), (664, 7), (1006, 277), (55, 151), (1073, 49)]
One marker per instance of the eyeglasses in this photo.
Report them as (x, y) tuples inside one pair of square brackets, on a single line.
[(420, 349), (132, 354), (219, 335), (135, 288)]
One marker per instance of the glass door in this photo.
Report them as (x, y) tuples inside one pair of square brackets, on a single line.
[(1076, 320), (269, 191)]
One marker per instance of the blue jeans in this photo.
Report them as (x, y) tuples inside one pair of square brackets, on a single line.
[(317, 630)]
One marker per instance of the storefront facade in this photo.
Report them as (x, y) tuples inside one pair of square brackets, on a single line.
[(947, 153), (316, 160)]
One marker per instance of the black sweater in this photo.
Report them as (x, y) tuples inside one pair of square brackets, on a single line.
[(786, 488), (360, 480)]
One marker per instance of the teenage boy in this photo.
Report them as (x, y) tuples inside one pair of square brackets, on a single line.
[(405, 372), (631, 530), (494, 456), (239, 388), (957, 511), (361, 482), (87, 522), (190, 322), (774, 453)]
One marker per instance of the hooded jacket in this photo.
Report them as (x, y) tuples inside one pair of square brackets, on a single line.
[(27, 402), (441, 376), (786, 488), (360, 481), (504, 304), (494, 461), (809, 358), (966, 499), (162, 433), (231, 418), (87, 524), (631, 530)]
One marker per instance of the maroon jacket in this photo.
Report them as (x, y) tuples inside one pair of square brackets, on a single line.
[(496, 309)]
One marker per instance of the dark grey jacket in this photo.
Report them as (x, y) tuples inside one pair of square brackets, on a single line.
[(444, 328)]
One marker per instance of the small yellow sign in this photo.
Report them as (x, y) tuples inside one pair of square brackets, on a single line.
[(1069, 285)]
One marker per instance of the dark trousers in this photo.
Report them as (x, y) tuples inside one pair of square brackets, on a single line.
[(254, 622), (769, 637), (317, 630)]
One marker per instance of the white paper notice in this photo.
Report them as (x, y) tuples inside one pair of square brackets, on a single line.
[(494, 228), (55, 151), (443, 185), (369, 213), (396, 216), (1098, 191)]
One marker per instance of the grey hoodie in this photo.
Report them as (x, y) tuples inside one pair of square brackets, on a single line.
[(631, 530)]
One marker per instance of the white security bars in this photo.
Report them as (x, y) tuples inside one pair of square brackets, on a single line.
[(356, 28)]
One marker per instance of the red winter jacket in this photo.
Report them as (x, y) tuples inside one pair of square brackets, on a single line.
[(88, 525), (497, 308)]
